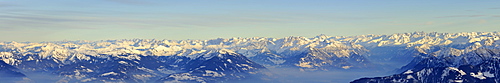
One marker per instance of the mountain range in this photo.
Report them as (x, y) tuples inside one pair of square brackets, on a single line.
[(419, 55)]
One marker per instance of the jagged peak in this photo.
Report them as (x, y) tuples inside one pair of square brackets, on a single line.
[(322, 36)]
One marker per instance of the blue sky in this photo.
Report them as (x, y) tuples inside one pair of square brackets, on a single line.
[(54, 20)]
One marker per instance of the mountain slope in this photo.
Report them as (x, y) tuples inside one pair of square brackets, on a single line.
[(480, 66), (220, 66), (9, 73), (486, 72)]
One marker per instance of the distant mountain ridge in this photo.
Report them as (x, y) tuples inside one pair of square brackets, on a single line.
[(155, 59)]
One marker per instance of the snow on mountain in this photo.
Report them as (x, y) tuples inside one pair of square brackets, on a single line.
[(446, 59), (396, 49)]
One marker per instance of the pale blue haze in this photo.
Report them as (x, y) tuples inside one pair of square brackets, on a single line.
[(53, 20)]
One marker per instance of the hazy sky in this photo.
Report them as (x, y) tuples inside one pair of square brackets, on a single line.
[(53, 20)]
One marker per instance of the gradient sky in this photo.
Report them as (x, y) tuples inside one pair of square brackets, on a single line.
[(54, 20)]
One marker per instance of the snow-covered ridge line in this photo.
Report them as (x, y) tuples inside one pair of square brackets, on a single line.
[(340, 46)]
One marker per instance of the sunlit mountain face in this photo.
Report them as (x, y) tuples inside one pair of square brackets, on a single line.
[(418, 57)]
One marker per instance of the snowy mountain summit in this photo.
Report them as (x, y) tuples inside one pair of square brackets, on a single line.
[(240, 59)]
